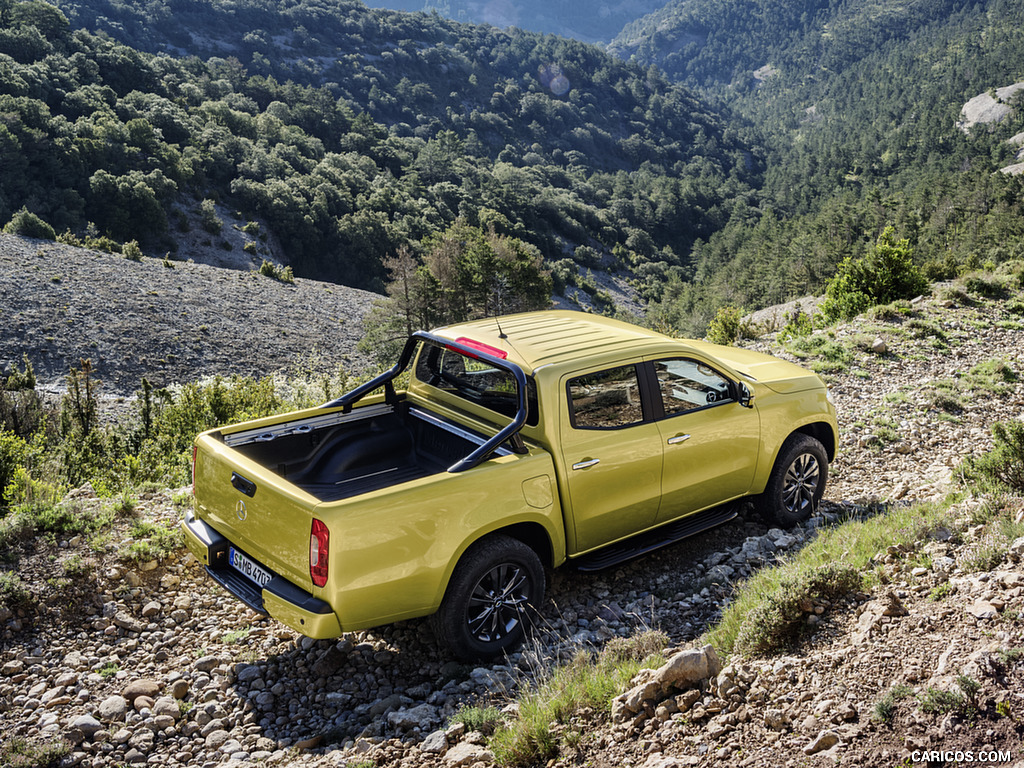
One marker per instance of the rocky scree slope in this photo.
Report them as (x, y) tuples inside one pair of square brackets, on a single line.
[(170, 321), (148, 662)]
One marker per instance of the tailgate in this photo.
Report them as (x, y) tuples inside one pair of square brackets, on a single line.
[(261, 514)]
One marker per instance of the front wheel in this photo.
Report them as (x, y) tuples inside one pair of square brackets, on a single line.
[(797, 482), (490, 599)]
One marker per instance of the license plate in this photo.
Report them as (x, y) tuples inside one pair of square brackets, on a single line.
[(248, 567)]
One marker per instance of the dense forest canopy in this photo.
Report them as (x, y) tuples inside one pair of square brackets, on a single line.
[(566, 18), (856, 105), (352, 132)]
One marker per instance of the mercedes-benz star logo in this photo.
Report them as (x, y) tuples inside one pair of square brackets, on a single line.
[(240, 511)]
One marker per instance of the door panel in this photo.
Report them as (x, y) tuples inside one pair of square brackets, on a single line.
[(612, 458), (710, 441)]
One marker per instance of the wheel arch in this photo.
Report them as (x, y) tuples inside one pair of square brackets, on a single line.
[(532, 535), (823, 433)]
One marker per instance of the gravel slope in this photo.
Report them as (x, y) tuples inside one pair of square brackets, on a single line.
[(60, 304)]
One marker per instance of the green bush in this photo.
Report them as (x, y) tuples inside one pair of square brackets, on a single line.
[(132, 251), (938, 270), (724, 327), (12, 590), (798, 326), (1003, 466), (886, 274), (778, 619), (27, 224), (985, 286), (937, 701), (13, 451), (536, 733), (483, 719), (270, 269), (563, 274), (885, 708), (21, 408), (21, 753), (209, 219), (20, 380)]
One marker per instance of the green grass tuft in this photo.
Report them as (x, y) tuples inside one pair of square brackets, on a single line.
[(586, 681)]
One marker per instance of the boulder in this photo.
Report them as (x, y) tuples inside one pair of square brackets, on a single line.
[(464, 754), (824, 740), (136, 688), (422, 717), (686, 669), (113, 708)]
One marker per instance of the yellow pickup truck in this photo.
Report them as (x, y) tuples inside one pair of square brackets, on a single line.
[(519, 443)]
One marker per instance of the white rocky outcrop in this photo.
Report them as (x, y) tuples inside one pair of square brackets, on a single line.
[(988, 107)]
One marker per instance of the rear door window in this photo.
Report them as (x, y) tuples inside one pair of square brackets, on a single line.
[(606, 400)]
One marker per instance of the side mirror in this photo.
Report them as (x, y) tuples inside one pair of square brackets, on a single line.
[(746, 396)]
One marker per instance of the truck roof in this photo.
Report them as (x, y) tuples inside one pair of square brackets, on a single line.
[(536, 339)]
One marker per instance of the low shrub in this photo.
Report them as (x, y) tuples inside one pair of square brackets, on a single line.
[(13, 451), (885, 708), (483, 719), (985, 286), (132, 251), (799, 325), (1003, 466), (270, 269), (21, 753), (778, 619), (12, 591), (588, 680), (724, 327), (886, 274), (28, 224)]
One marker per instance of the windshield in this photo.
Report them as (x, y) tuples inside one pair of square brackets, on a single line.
[(474, 380)]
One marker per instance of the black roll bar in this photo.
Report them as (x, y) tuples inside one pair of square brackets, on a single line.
[(384, 380)]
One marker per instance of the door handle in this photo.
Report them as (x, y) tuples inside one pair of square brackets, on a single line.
[(246, 486), (585, 464), (678, 439)]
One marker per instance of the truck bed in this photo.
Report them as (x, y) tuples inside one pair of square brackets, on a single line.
[(336, 456)]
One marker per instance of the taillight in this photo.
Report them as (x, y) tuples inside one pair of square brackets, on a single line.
[(319, 539), (195, 451)]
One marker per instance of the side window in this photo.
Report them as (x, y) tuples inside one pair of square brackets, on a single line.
[(689, 384), (606, 400)]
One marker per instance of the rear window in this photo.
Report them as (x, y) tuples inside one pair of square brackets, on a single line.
[(475, 381)]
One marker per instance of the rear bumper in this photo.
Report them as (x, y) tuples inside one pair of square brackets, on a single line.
[(280, 598)]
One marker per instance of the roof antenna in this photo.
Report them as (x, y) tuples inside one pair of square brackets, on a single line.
[(501, 333)]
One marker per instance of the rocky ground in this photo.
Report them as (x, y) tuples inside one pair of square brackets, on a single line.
[(149, 663)]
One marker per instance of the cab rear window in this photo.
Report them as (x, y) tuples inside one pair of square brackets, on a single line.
[(474, 380)]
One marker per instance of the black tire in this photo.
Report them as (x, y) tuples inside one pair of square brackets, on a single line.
[(490, 600), (797, 482)]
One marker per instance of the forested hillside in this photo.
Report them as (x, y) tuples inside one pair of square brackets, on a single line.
[(801, 131), (856, 106), (352, 132), (567, 18)]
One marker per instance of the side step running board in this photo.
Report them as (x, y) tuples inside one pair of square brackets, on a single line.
[(623, 551)]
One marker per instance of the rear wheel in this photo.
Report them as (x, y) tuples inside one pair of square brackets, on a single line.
[(490, 599), (797, 482)]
